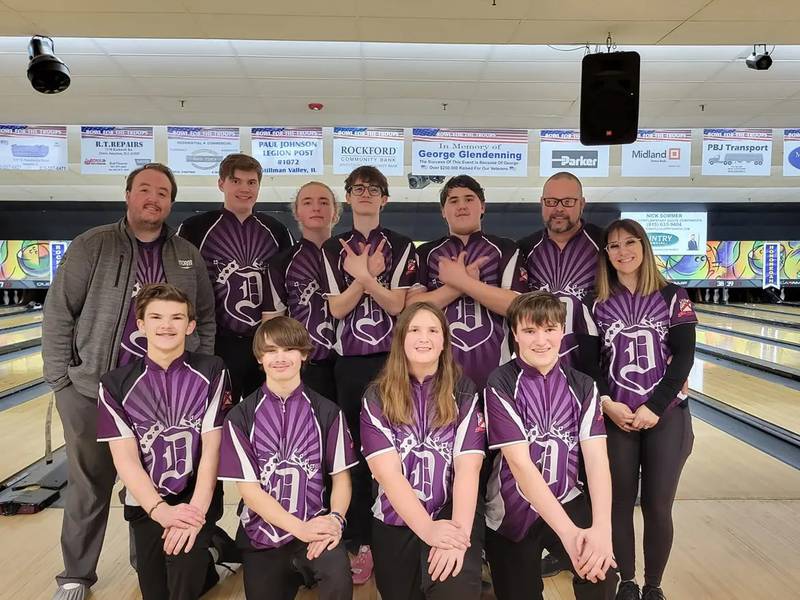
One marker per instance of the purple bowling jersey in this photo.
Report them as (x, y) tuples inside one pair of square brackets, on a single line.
[(166, 412), (368, 328), (149, 269), (426, 452), (635, 335), (291, 447), (550, 413), (236, 255), (570, 275), (295, 288), (480, 336)]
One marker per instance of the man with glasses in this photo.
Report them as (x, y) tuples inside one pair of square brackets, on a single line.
[(562, 259), (367, 272)]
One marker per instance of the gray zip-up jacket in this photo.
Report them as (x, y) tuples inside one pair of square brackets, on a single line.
[(88, 303)]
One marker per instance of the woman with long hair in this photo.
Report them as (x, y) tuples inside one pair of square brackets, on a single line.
[(423, 435), (647, 333)]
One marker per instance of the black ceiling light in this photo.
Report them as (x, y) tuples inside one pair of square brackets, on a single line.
[(759, 62), (46, 72)]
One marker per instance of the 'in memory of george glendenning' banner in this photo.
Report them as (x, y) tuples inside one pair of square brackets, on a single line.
[(477, 152)]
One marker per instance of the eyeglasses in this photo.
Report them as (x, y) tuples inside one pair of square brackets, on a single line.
[(628, 243), (553, 202), (358, 190)]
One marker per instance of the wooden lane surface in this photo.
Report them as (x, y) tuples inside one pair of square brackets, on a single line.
[(17, 336), (761, 398), (11, 310), (736, 528), (22, 439), (17, 320), (778, 308), (18, 371), (768, 332), (734, 311), (763, 351)]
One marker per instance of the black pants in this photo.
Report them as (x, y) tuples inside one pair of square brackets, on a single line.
[(353, 375), (517, 567), (278, 573), (246, 374), (660, 452), (319, 375), (401, 566), (183, 576)]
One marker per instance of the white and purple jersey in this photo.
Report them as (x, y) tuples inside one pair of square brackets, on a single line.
[(480, 336), (291, 447), (295, 288), (426, 452), (550, 413), (570, 275), (166, 412), (367, 329), (149, 269), (634, 334), (236, 255)]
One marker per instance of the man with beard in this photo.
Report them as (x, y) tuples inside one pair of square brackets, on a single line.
[(562, 259), (89, 328)]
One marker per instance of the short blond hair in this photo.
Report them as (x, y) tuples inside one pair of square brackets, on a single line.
[(337, 206)]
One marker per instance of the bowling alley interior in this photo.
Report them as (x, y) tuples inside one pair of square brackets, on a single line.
[(681, 116)]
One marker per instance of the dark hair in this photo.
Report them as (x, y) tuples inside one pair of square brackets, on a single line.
[(161, 291), (537, 308), (369, 175), (283, 332), (461, 181), (242, 162), (154, 166)]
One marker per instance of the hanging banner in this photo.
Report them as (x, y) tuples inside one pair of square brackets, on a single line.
[(33, 147), (288, 150), (561, 150), (477, 152), (737, 152), (673, 232), (791, 152), (381, 147), (108, 149), (772, 266), (199, 150), (658, 153), (57, 250)]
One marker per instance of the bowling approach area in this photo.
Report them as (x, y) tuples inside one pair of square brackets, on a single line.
[(736, 525)]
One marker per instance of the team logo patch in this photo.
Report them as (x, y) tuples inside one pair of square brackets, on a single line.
[(523, 274), (481, 426), (685, 307), (227, 399), (411, 266)]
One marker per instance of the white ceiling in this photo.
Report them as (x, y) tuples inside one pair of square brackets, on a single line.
[(485, 73)]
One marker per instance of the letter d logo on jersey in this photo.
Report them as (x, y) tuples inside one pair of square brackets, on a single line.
[(243, 295)]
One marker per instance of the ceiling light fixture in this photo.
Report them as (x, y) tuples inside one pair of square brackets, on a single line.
[(47, 73), (759, 62)]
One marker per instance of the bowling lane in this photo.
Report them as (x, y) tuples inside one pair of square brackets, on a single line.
[(768, 332), (22, 442), (771, 402), (778, 308), (19, 320), (759, 352), (20, 338), (745, 313), (19, 372)]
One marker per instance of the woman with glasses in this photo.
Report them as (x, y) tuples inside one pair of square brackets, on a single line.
[(647, 328)]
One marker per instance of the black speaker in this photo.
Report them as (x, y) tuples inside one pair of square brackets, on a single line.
[(610, 98)]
